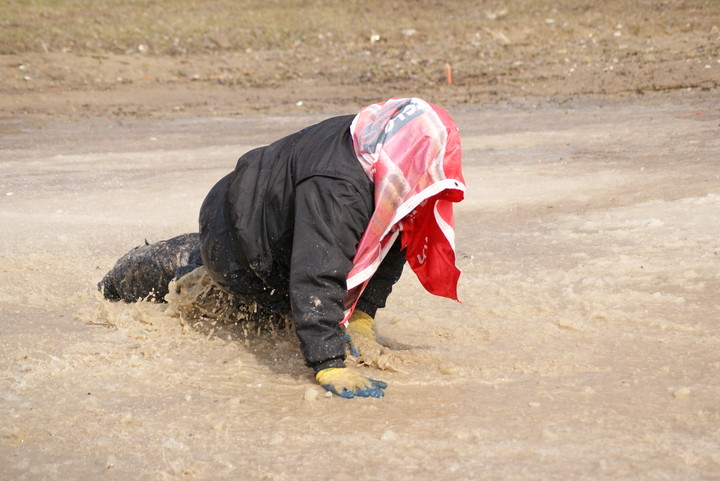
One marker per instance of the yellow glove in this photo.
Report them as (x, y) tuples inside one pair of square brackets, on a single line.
[(364, 346), (348, 384)]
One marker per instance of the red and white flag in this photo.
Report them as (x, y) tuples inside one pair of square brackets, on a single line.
[(411, 151)]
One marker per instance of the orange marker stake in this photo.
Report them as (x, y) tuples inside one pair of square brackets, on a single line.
[(448, 73)]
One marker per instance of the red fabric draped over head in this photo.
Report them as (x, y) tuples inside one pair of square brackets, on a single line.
[(411, 151)]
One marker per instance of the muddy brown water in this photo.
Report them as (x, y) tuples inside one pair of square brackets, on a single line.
[(586, 346)]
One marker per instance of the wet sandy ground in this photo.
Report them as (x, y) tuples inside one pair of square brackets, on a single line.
[(586, 346)]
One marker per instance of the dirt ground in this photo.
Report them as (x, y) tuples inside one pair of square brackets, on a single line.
[(586, 344), (347, 56)]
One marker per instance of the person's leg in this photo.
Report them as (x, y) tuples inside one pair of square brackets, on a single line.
[(146, 271), (198, 296)]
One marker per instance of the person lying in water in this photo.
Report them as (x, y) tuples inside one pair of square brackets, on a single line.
[(318, 225)]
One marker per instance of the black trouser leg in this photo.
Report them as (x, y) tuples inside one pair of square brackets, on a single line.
[(146, 271)]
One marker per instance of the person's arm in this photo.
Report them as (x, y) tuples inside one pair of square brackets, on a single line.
[(330, 217), (381, 283), (360, 329)]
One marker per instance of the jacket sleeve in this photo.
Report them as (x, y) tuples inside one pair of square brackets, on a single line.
[(330, 217), (380, 285)]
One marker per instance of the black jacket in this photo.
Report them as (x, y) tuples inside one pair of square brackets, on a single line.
[(283, 227)]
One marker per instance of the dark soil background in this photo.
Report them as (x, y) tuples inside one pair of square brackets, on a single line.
[(144, 58)]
